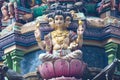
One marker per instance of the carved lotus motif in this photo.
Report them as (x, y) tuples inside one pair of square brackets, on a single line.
[(60, 67)]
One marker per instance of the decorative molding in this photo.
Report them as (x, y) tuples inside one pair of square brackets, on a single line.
[(111, 50), (99, 35)]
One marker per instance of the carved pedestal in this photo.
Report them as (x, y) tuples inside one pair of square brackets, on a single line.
[(62, 69)]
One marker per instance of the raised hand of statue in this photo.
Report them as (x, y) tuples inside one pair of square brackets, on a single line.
[(80, 29), (48, 42), (37, 32), (73, 46)]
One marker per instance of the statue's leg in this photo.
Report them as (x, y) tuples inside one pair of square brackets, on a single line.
[(77, 54), (113, 4), (11, 9), (47, 57), (4, 11)]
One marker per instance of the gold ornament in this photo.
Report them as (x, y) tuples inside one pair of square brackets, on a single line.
[(59, 36), (80, 22)]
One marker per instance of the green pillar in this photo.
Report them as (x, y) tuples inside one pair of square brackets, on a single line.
[(118, 56), (111, 50), (7, 60), (16, 56)]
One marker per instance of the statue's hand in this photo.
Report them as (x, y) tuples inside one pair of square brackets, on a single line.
[(80, 30), (37, 25), (73, 45), (37, 34), (48, 41)]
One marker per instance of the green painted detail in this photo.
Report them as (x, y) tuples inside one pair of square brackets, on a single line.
[(118, 56), (111, 45), (91, 8), (111, 49), (16, 56), (16, 63), (16, 28), (39, 11), (111, 57), (17, 1), (117, 73), (12, 1), (17, 53), (12, 59), (7, 60)]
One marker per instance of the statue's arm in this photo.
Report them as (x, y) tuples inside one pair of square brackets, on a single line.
[(79, 40), (80, 32), (37, 34), (41, 44)]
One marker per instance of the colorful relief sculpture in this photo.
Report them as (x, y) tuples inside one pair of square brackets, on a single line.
[(7, 10), (59, 26), (111, 4), (62, 47)]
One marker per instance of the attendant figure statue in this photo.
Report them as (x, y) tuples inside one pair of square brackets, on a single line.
[(61, 43), (8, 10), (5, 11)]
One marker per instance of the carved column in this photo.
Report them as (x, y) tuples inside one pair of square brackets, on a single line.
[(111, 50), (16, 56), (7, 60), (118, 56)]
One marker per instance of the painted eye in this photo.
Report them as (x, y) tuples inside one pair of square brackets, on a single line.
[(61, 18), (50, 20), (56, 18), (68, 19)]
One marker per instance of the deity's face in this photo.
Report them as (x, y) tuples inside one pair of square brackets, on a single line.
[(72, 13), (67, 21), (59, 21), (51, 21)]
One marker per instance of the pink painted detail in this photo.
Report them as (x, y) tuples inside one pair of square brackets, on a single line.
[(75, 67), (84, 65), (40, 70), (65, 78), (47, 70), (61, 68)]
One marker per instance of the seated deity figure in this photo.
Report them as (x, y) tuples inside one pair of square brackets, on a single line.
[(60, 43), (5, 12), (8, 8)]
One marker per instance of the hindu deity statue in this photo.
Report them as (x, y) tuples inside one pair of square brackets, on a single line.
[(63, 55), (7, 10), (60, 43)]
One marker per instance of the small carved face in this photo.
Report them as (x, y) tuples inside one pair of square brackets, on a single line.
[(67, 21), (72, 13), (51, 21), (59, 21)]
